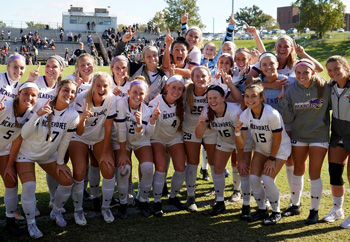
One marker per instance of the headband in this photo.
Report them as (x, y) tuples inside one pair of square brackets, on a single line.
[(289, 39), (305, 63), (216, 88), (59, 59), (118, 58), (266, 54), (16, 57), (174, 79), (138, 82), (194, 28), (29, 84)]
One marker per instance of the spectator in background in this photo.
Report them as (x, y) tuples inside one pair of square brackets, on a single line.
[(80, 51), (9, 34), (93, 25), (70, 36), (88, 25), (61, 35)]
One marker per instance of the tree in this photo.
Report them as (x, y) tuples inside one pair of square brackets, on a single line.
[(271, 24), (159, 20), (2, 24), (31, 24), (175, 11), (253, 16), (320, 15)]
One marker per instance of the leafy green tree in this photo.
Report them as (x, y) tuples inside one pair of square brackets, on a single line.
[(271, 24), (3, 24), (159, 20), (31, 24), (253, 16), (176, 10), (320, 15)]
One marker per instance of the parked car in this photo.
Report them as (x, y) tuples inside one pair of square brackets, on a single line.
[(294, 36), (292, 31), (303, 37), (306, 30), (283, 31), (341, 30), (272, 37), (245, 37)]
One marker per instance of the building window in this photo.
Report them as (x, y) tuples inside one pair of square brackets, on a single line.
[(107, 21), (73, 20)]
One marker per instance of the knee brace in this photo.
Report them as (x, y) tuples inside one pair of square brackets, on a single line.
[(336, 174)]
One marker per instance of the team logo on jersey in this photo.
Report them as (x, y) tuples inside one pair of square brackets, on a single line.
[(312, 103)]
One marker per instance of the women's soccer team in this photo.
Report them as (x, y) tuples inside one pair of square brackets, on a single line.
[(259, 108)]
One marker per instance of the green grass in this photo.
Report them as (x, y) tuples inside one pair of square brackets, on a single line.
[(184, 226)]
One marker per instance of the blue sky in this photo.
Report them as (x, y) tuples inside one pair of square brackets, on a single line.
[(129, 12)]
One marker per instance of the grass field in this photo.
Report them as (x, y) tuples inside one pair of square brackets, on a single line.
[(184, 226)]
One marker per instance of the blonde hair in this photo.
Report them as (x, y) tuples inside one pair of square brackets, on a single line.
[(81, 57), (200, 41), (292, 57), (90, 91), (190, 88), (139, 79), (145, 69)]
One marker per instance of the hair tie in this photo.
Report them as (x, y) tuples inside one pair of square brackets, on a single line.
[(138, 82), (16, 57), (305, 63)]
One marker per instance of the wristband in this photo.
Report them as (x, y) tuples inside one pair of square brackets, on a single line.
[(271, 158), (139, 125), (238, 133)]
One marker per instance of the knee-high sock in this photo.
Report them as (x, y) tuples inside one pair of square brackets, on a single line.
[(29, 201), (236, 179), (52, 184), (61, 195), (204, 159), (123, 183), (245, 189), (11, 201), (338, 202), (219, 185), (191, 177), (130, 187), (297, 188), (146, 180), (258, 191), (158, 183), (273, 194), (176, 183), (77, 195), (316, 193), (289, 172), (94, 178), (108, 186)]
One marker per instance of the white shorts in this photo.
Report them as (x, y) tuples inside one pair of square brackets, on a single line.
[(282, 155), (53, 158), (5, 151), (89, 143), (208, 137), (225, 147), (176, 140), (138, 145), (317, 144)]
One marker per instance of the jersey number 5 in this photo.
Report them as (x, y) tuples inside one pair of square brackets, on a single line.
[(8, 134)]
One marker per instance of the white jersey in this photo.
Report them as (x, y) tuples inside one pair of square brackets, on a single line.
[(126, 123), (218, 82), (225, 125), (38, 145), (124, 88), (283, 71), (194, 56), (45, 92), (8, 130), (94, 125), (262, 129), (83, 87), (167, 123), (8, 88)]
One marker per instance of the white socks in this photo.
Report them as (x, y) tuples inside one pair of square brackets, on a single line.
[(176, 183), (272, 193), (29, 201), (236, 179), (158, 183), (316, 193), (289, 173), (61, 195), (191, 177), (146, 180), (94, 179), (204, 159), (338, 202), (258, 191), (123, 175), (77, 195), (11, 201), (245, 183), (297, 188), (108, 186), (52, 185), (219, 185)]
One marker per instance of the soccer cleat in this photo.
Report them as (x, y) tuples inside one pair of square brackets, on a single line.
[(291, 211), (56, 215), (107, 215), (346, 223), (245, 214), (227, 173), (273, 218), (334, 215), (122, 211), (259, 215), (236, 196), (191, 204), (145, 209), (176, 203), (205, 174), (79, 218), (157, 207), (12, 227), (86, 195), (96, 204), (131, 198), (18, 215), (34, 232), (313, 217), (62, 210), (218, 208)]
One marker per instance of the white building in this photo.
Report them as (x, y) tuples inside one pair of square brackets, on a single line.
[(77, 20)]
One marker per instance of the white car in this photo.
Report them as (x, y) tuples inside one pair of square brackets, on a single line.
[(341, 30)]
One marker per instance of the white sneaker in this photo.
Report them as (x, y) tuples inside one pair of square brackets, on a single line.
[(236, 196), (79, 218), (107, 215), (57, 216), (62, 210), (34, 232), (131, 198), (334, 215), (346, 223)]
